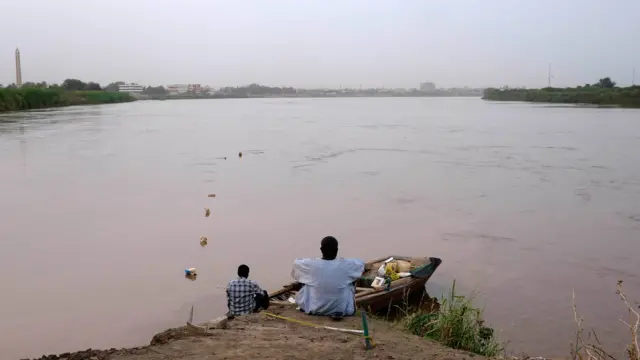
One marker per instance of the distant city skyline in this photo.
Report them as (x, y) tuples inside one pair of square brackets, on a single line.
[(324, 43), (418, 85)]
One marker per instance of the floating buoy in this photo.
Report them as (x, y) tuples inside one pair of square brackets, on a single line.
[(190, 271), (211, 195), (240, 154), (203, 241), (207, 212)]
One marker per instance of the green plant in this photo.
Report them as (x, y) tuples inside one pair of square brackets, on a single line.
[(458, 324)]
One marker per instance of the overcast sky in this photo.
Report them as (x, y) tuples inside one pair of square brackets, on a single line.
[(324, 43)]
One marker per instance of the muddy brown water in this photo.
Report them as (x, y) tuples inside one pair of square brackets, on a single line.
[(102, 208)]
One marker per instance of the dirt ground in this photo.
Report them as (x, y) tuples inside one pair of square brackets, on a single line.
[(258, 336)]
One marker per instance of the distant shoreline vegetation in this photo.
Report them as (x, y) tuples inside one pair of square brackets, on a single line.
[(261, 91), (31, 96), (41, 95), (603, 93)]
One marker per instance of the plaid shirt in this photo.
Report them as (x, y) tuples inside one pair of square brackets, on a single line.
[(241, 296)]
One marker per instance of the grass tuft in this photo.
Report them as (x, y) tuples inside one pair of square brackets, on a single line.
[(457, 324)]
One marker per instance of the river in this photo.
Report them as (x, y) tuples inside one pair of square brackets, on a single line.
[(102, 208)]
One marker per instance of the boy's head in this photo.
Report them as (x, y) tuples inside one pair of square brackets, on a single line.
[(243, 271)]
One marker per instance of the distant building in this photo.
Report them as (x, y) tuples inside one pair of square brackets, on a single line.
[(131, 88), (427, 86), (178, 89)]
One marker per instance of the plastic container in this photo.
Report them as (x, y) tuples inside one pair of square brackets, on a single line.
[(383, 268)]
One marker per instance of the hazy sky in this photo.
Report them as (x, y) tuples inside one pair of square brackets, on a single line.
[(324, 43)]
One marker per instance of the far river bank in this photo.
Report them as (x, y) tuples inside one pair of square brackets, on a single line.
[(627, 97)]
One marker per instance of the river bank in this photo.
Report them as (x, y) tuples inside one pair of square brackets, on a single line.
[(284, 332), (593, 95), (40, 98), (259, 336)]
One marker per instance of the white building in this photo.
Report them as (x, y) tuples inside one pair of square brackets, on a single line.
[(131, 88)]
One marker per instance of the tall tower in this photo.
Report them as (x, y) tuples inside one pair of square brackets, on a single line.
[(18, 69)]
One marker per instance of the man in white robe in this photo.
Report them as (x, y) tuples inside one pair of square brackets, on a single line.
[(328, 283)]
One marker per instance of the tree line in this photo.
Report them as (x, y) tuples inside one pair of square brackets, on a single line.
[(604, 92), (79, 85), (67, 84), (71, 92)]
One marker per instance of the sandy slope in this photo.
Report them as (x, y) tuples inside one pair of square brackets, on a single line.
[(257, 336)]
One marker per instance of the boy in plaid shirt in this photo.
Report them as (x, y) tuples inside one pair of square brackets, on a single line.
[(244, 296)]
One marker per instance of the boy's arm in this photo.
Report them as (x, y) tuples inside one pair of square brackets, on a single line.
[(228, 298)]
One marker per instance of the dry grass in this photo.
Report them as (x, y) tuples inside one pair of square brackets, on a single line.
[(591, 348)]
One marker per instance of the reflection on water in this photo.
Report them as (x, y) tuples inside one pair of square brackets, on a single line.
[(102, 207)]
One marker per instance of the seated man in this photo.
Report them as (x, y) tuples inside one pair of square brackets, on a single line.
[(328, 283), (244, 296)]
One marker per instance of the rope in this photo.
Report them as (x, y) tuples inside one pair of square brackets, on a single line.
[(359, 332)]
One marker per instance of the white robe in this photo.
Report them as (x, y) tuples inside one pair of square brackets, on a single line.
[(328, 285)]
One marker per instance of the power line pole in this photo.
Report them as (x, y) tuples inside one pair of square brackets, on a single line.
[(633, 77), (549, 76)]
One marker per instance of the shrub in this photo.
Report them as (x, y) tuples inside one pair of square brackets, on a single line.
[(458, 324)]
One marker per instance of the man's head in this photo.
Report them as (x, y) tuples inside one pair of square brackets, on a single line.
[(243, 271), (329, 248)]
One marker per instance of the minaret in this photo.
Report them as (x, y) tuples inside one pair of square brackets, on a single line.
[(18, 69)]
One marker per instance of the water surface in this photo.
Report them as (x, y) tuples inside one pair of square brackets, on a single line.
[(102, 208)]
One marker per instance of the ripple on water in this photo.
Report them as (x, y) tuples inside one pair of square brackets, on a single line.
[(404, 201), (471, 235), (324, 158), (583, 194)]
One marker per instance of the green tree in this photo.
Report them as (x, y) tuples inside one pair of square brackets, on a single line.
[(114, 86), (40, 85), (606, 83), (158, 90), (93, 86), (74, 85)]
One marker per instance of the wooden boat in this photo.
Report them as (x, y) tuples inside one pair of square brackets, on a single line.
[(379, 298)]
